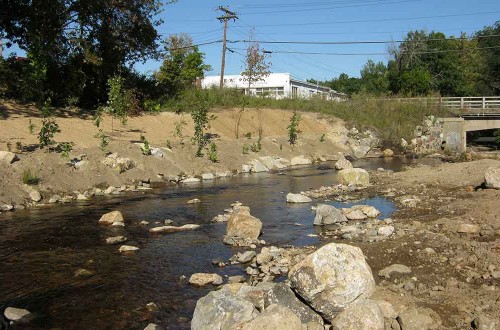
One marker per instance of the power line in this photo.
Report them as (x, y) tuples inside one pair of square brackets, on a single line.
[(366, 4), (386, 53), (382, 19), (363, 41)]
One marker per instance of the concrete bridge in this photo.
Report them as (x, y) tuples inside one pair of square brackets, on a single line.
[(455, 129)]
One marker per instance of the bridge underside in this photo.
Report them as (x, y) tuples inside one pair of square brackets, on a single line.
[(455, 130)]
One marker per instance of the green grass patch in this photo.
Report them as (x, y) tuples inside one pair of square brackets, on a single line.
[(29, 178)]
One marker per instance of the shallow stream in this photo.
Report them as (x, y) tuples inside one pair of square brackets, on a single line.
[(41, 248)]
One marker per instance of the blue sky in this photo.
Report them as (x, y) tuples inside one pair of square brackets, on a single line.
[(341, 20), (317, 20)]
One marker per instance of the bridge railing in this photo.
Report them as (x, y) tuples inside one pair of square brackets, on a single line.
[(459, 103)]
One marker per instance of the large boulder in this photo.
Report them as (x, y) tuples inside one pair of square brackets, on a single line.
[(343, 163), (282, 295), (332, 277), (244, 226), (297, 198), (111, 217), (7, 157), (258, 166), (492, 177), (300, 160), (222, 309), (363, 314), (275, 317), (354, 176), (328, 215)]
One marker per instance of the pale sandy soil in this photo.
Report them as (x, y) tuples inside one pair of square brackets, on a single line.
[(58, 177)]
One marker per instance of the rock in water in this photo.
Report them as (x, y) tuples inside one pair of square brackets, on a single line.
[(15, 314), (243, 226), (282, 295), (111, 217), (202, 279), (388, 153), (327, 215), (354, 176), (300, 160), (364, 314), (115, 240), (275, 317), (343, 164), (332, 277), (492, 177), (222, 309), (128, 248), (297, 198)]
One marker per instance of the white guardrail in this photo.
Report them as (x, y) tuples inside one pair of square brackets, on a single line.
[(463, 103)]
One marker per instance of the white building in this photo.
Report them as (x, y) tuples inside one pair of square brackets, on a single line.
[(275, 85)]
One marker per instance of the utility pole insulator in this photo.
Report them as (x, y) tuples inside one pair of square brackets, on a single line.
[(227, 15)]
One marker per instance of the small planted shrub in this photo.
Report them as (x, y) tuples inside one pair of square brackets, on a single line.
[(19, 146), (212, 153), (66, 148), (9, 146), (29, 178), (31, 127), (146, 150), (293, 128), (322, 138), (246, 149), (103, 140)]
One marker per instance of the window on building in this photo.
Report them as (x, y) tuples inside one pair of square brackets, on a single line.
[(269, 91)]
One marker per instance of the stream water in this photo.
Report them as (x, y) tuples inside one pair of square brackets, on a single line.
[(41, 248)]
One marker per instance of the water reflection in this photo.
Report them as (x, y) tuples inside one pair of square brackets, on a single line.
[(41, 248)]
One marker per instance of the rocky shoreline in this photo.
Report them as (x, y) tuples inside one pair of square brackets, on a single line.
[(333, 287)]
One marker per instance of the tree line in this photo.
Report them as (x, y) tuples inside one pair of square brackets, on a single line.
[(76, 50), (428, 63)]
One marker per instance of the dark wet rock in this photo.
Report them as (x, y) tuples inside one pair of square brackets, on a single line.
[(394, 269), (362, 314), (327, 215), (282, 295), (222, 309), (332, 277)]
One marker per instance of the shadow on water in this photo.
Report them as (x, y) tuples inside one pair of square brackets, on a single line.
[(41, 248)]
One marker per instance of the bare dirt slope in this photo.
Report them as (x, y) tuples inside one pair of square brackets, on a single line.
[(57, 176)]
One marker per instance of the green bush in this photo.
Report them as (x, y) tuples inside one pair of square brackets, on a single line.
[(29, 178), (212, 153), (146, 150), (293, 128)]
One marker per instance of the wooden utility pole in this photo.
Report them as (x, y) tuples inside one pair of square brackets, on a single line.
[(224, 18)]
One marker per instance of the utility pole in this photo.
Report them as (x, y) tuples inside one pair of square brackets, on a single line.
[(227, 15)]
